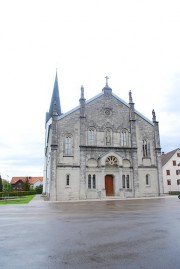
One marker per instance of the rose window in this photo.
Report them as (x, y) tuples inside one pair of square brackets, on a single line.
[(111, 160)]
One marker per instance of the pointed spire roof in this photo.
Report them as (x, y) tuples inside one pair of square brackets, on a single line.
[(55, 100)]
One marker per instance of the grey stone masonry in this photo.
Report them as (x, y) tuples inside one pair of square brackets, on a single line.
[(104, 147)]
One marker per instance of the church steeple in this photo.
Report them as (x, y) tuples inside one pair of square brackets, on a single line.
[(55, 99)]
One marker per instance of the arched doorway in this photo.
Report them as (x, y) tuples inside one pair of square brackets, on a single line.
[(109, 186)]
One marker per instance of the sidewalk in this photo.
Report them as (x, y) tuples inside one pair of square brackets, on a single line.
[(40, 199), (37, 198)]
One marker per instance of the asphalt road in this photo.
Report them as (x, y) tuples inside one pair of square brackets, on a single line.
[(127, 234)]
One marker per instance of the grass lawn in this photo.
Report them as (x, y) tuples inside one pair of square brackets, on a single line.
[(20, 200)]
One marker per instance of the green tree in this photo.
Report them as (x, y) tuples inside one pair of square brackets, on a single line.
[(1, 185), (27, 184), (39, 189), (6, 186)]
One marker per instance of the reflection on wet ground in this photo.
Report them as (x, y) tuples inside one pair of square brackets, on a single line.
[(136, 233)]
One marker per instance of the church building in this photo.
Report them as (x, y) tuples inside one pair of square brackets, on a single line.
[(102, 148)]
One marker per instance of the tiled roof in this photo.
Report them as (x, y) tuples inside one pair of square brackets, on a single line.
[(166, 157), (32, 180)]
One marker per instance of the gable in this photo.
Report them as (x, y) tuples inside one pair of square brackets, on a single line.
[(166, 157), (102, 102)]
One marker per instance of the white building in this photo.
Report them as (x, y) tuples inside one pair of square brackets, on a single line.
[(103, 147), (171, 170)]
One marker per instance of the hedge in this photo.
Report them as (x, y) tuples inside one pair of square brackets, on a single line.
[(17, 193), (174, 192)]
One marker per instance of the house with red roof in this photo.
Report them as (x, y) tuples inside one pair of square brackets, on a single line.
[(171, 170), (18, 183)]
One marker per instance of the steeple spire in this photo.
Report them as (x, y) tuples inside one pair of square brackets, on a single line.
[(54, 100)]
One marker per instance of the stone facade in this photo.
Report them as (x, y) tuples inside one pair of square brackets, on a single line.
[(102, 148)]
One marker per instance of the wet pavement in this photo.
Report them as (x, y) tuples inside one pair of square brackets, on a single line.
[(127, 234)]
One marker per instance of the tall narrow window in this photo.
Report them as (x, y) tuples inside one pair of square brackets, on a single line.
[(168, 182), (178, 182), (94, 181), (68, 145), (174, 163), (124, 138), (147, 180), (145, 150), (91, 136), (167, 172), (89, 181), (67, 180), (123, 182), (127, 181)]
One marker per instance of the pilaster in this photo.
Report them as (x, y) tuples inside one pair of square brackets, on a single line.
[(54, 147), (158, 153), (132, 119), (82, 194)]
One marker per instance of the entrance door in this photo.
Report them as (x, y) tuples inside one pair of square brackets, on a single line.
[(109, 185)]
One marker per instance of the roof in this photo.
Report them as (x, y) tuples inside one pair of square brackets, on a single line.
[(166, 157), (32, 180), (55, 100), (99, 95)]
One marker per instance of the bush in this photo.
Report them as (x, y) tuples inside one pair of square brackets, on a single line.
[(173, 192), (39, 189), (21, 193)]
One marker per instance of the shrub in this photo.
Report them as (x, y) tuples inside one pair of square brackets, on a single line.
[(22, 193), (173, 192), (39, 189)]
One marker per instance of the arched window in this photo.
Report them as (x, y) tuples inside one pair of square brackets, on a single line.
[(111, 160), (124, 138), (91, 136), (94, 181), (127, 181), (67, 180), (145, 151), (123, 182), (91, 181), (68, 145)]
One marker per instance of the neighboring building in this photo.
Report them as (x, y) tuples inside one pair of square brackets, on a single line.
[(171, 170), (103, 147), (18, 183)]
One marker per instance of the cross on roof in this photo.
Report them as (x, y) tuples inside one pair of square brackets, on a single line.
[(106, 80)]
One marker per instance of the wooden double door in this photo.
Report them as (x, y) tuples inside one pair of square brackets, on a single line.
[(109, 186)]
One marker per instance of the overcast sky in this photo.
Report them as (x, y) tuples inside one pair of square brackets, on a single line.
[(135, 42)]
